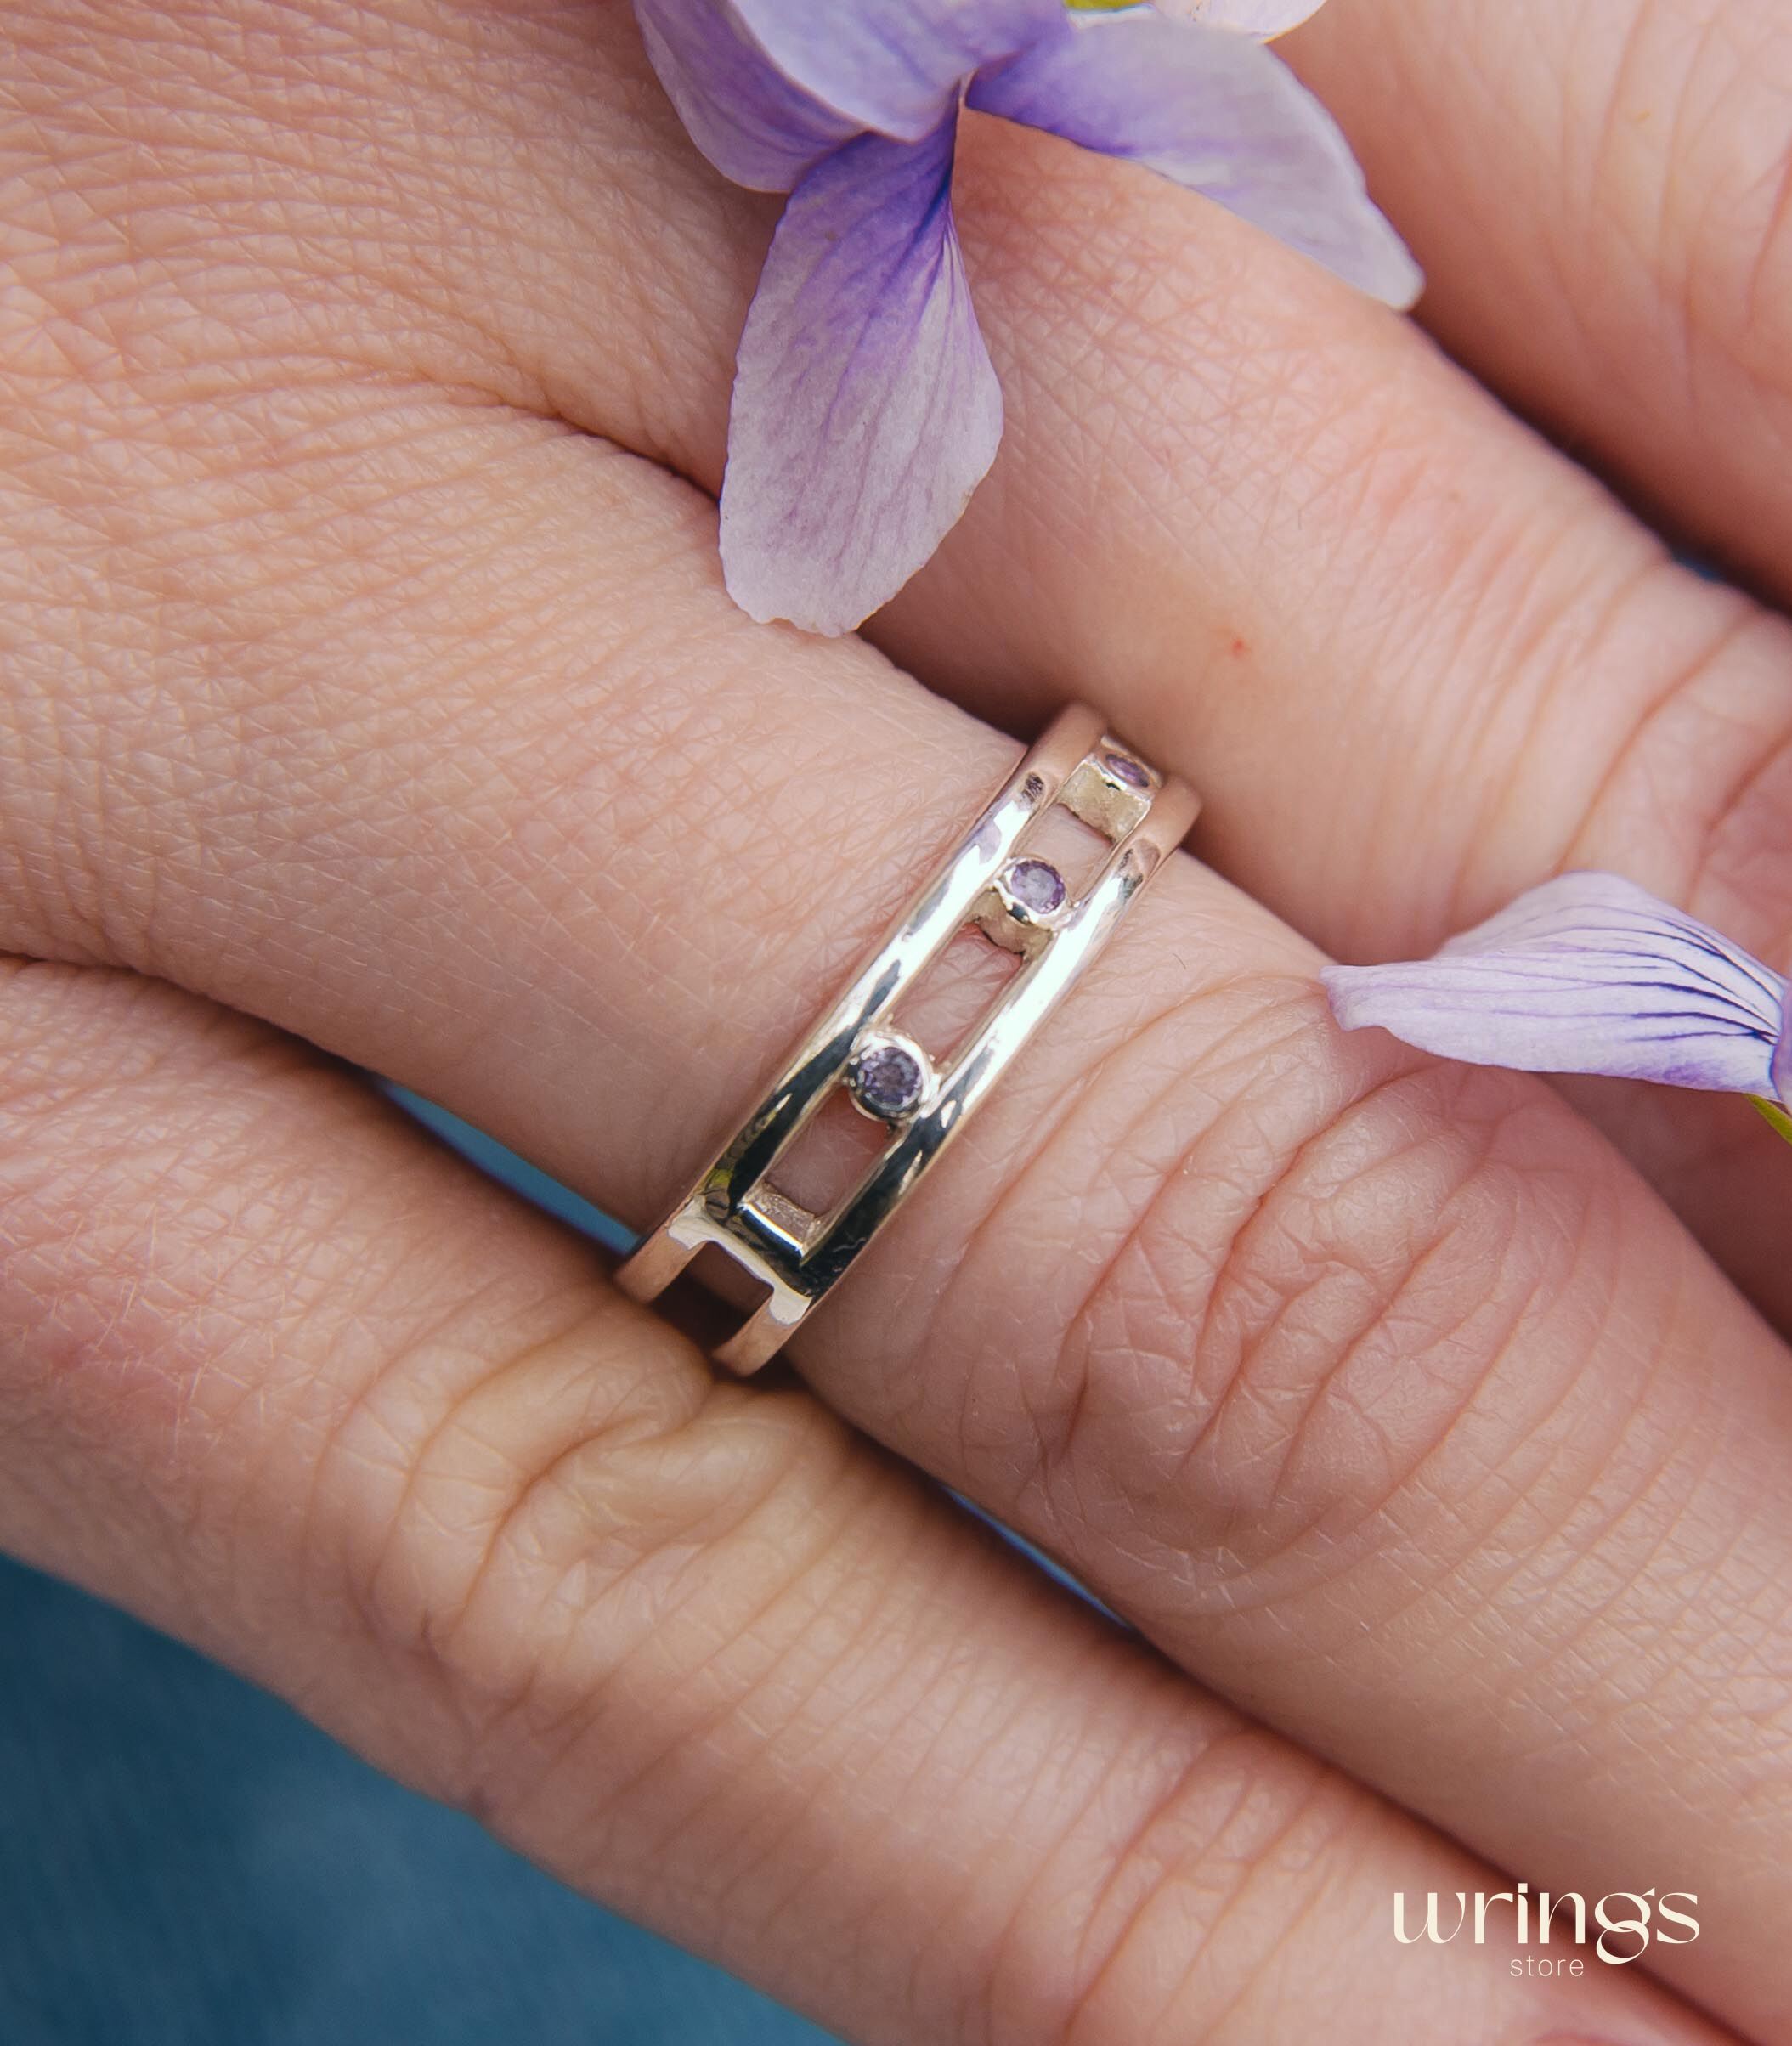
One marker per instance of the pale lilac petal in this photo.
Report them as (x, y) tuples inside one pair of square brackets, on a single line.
[(1260, 18), (1216, 112), (754, 126), (894, 66), (866, 411), (1588, 974)]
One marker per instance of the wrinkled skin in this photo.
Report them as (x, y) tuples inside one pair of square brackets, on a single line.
[(369, 693)]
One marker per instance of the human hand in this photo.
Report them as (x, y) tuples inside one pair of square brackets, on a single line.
[(369, 687)]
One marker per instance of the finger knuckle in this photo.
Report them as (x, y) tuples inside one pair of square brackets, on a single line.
[(1689, 790), (1308, 1267), (1185, 1915), (581, 1520)]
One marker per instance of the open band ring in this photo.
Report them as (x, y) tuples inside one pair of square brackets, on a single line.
[(990, 883)]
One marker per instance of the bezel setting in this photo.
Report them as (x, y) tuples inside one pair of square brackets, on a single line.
[(1011, 918), (890, 1078)]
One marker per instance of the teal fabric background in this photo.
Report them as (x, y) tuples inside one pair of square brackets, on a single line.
[(185, 1862)]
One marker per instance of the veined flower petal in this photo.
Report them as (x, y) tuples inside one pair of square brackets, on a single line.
[(866, 411), (1588, 974), (1215, 111), (894, 66), (756, 128), (1260, 18)]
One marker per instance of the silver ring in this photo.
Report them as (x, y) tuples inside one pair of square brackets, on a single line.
[(988, 882)]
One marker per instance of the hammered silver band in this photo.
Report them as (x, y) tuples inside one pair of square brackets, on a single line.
[(989, 883)]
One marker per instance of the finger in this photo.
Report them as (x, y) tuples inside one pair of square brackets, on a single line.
[(1352, 1379), (1599, 198), (301, 1388), (1491, 674)]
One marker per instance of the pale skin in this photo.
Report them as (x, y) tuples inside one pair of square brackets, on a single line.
[(369, 687)]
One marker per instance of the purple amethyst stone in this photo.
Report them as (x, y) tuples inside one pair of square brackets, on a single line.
[(887, 1080), (1036, 885), (1124, 768)]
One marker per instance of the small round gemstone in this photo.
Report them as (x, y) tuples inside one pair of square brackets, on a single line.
[(887, 1079), (1036, 885), (1124, 768)]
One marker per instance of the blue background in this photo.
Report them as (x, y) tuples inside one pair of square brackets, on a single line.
[(183, 1861)]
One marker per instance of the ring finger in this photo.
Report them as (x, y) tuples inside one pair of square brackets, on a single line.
[(1495, 671)]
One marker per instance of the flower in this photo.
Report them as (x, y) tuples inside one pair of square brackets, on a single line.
[(866, 411), (1589, 974)]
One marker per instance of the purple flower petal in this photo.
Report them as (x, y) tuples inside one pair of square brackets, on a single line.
[(894, 66), (1215, 111), (866, 411), (1260, 18), (1588, 974), (1781, 1069), (755, 127)]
